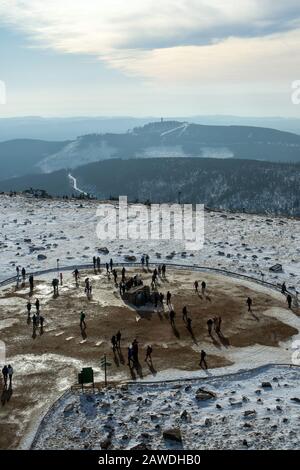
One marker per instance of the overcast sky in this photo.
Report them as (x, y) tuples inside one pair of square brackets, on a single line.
[(149, 57)]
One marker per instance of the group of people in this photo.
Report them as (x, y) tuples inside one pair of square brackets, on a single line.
[(7, 373), (96, 263), (214, 323), (116, 341), (23, 273), (37, 318)]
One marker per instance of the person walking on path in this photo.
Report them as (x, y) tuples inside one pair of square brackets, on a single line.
[(163, 270), (94, 262), (203, 287), (111, 264), (82, 321), (203, 360), (61, 278), (209, 326), (147, 261), (169, 295), (249, 303), (98, 263), (29, 307), (189, 324), (148, 354), (23, 274), (114, 343), (283, 288), (10, 374), (143, 261), (289, 300), (130, 356), (172, 317), (37, 305), (196, 285), (5, 375), (118, 338), (184, 314), (135, 351)]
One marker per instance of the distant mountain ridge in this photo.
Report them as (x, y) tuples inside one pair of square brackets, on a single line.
[(167, 139), (230, 184)]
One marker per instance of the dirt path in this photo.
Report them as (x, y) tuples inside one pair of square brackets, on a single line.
[(48, 363)]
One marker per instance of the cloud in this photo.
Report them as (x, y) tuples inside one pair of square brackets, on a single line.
[(182, 38)]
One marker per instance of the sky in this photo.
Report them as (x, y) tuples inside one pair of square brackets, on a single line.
[(144, 57)]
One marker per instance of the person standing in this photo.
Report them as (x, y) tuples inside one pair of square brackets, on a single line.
[(172, 317), (203, 360), (5, 375), (289, 300), (209, 326), (249, 303), (23, 273), (37, 305), (94, 262), (135, 351), (10, 374), (118, 338), (82, 321), (184, 314), (169, 295), (148, 354), (111, 264), (28, 307), (196, 285), (203, 287), (114, 343)]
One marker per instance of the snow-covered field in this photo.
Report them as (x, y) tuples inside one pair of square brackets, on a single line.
[(66, 230), (255, 410), (241, 243)]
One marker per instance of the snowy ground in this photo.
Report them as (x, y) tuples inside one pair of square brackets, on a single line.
[(243, 415), (66, 230), (246, 244)]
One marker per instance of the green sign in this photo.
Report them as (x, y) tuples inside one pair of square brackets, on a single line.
[(86, 376)]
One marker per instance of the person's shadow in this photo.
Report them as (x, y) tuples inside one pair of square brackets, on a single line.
[(121, 357), (190, 330), (6, 395), (116, 360), (175, 331), (151, 368), (83, 332)]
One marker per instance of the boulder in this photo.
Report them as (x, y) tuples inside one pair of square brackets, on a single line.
[(266, 385), (173, 434), (202, 394)]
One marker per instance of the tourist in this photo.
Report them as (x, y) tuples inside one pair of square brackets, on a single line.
[(289, 300), (203, 360), (148, 353), (209, 326), (184, 313), (82, 320), (10, 374), (118, 338), (196, 285), (249, 303), (5, 375)]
